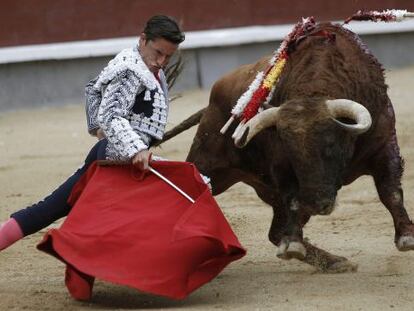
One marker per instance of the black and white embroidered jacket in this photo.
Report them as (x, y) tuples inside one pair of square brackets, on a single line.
[(128, 103)]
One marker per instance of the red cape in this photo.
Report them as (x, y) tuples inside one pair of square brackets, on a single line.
[(141, 232)]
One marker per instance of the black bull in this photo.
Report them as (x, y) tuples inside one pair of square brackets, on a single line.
[(303, 153)]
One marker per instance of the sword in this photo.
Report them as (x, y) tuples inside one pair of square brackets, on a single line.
[(152, 170), (171, 184)]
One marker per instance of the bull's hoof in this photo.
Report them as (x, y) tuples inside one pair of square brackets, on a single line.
[(342, 266), (405, 243), (289, 250)]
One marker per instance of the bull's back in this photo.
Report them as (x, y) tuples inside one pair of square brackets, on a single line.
[(227, 90), (333, 64)]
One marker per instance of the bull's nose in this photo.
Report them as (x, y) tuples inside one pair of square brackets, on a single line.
[(320, 208), (326, 207), (325, 210)]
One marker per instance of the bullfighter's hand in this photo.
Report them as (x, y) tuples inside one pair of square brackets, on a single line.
[(100, 134), (141, 160)]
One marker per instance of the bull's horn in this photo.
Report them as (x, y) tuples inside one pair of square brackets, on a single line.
[(256, 124), (345, 108)]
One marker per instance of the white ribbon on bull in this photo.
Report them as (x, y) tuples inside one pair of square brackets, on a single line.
[(376, 16), (337, 108), (396, 15), (243, 100)]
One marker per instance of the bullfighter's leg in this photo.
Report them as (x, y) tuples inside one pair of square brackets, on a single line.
[(387, 172)]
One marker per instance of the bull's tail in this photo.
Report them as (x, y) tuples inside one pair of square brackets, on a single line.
[(183, 126)]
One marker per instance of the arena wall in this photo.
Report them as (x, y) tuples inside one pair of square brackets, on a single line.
[(49, 49)]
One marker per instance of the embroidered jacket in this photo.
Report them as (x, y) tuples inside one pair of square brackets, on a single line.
[(128, 103)]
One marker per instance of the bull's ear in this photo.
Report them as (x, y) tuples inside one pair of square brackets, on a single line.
[(245, 132), (266, 106), (345, 108)]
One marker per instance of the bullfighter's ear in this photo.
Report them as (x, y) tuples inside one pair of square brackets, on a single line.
[(142, 39), (345, 108)]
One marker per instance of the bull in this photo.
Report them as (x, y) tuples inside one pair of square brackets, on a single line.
[(328, 122)]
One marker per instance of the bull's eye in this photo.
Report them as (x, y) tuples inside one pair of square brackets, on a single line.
[(328, 151), (329, 139), (328, 148)]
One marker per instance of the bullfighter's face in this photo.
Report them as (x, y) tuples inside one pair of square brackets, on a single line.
[(156, 53)]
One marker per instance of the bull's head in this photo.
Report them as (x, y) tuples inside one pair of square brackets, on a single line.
[(318, 138)]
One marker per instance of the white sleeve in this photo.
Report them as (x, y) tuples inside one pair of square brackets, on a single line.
[(117, 101)]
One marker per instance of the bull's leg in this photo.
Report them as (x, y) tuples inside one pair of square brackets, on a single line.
[(291, 243), (290, 247), (320, 259), (286, 229), (387, 172)]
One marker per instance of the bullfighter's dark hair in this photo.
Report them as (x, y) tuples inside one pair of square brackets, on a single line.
[(161, 26)]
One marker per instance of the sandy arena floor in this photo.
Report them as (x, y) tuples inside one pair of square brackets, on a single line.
[(40, 148)]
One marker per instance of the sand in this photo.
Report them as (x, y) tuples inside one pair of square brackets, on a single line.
[(40, 148)]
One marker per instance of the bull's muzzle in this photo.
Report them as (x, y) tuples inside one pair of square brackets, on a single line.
[(322, 207)]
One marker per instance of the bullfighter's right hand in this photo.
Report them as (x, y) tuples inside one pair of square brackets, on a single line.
[(141, 160)]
